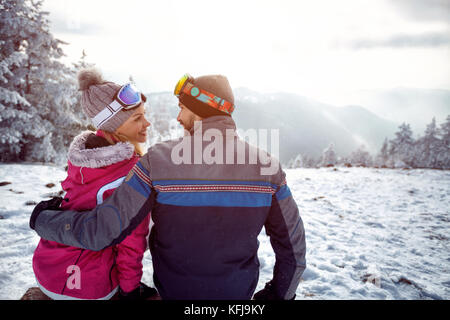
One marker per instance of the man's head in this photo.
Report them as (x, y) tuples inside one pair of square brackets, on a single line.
[(186, 117), (203, 97)]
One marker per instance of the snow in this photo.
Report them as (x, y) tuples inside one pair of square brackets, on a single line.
[(370, 233)]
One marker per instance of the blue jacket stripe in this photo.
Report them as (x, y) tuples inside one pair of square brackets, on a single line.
[(216, 199), (139, 185), (283, 193)]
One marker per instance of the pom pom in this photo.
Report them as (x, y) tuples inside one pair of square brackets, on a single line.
[(89, 77)]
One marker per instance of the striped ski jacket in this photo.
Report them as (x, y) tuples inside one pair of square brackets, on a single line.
[(207, 215)]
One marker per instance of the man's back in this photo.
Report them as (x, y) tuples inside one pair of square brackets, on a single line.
[(208, 217)]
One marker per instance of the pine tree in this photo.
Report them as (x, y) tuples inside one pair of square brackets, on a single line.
[(46, 88), (401, 149), (310, 162), (428, 147), (290, 164), (16, 112), (82, 63), (383, 157), (329, 156), (443, 157), (38, 91), (297, 162)]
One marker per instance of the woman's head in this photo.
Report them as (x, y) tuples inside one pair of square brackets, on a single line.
[(97, 95), (96, 98), (135, 128)]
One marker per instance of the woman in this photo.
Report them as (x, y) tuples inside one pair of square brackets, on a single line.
[(98, 163)]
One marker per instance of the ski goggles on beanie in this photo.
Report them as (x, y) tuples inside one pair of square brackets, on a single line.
[(186, 86), (127, 98)]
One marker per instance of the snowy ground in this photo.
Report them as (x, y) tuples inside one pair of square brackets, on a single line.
[(371, 233)]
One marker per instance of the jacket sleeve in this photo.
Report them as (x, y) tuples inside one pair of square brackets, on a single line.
[(285, 228), (107, 224), (129, 256)]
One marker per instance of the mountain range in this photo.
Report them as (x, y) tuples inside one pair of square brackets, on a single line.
[(308, 127)]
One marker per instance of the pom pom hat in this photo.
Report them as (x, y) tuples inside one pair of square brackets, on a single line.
[(97, 94)]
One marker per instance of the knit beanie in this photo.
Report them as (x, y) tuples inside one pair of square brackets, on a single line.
[(215, 84), (97, 94)]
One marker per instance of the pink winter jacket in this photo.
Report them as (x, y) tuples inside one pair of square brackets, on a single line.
[(68, 272)]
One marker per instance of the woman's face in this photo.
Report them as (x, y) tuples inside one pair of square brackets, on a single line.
[(135, 128)]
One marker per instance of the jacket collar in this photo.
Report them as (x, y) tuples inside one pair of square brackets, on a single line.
[(222, 123), (98, 157)]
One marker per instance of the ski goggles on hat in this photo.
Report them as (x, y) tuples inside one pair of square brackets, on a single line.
[(186, 86), (128, 97)]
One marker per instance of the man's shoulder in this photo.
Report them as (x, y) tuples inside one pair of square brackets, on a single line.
[(268, 166)]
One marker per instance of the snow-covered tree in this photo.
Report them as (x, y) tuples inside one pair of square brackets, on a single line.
[(445, 132), (38, 92), (329, 157), (302, 161), (310, 162), (401, 149), (361, 157), (443, 157), (48, 87), (296, 162), (428, 147), (383, 157), (82, 63), (16, 113)]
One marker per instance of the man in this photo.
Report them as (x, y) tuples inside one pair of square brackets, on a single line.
[(207, 213)]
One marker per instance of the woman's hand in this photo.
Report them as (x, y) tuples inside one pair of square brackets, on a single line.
[(52, 204)]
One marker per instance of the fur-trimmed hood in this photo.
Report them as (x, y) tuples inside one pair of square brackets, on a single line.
[(98, 157)]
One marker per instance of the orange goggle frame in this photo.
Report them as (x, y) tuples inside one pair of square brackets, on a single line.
[(185, 85)]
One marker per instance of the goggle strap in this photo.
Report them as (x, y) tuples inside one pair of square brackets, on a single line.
[(208, 98), (103, 116), (115, 105)]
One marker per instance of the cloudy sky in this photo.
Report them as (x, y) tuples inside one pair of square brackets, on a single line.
[(327, 50)]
